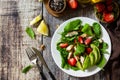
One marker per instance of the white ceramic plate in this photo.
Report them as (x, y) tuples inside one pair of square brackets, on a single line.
[(56, 54)]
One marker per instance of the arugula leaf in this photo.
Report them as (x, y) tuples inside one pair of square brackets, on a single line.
[(87, 29), (97, 30), (73, 25), (27, 68), (102, 62), (80, 49), (30, 32)]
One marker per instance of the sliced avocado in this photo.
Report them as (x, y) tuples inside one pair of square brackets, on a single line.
[(99, 55), (92, 58), (96, 53), (79, 65), (86, 63)]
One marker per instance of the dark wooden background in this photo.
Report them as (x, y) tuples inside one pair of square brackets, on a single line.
[(15, 16)]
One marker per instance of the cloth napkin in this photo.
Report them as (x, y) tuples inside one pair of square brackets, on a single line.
[(112, 69)]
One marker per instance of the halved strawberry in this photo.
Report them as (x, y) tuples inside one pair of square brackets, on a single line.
[(108, 17), (88, 50), (80, 39), (72, 61), (88, 40), (100, 7), (63, 45), (73, 4)]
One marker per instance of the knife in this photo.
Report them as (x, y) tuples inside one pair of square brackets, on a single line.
[(38, 53)]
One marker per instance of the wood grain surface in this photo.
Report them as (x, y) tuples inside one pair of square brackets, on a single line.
[(15, 16)]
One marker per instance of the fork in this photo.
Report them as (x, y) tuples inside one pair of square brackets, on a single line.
[(33, 58)]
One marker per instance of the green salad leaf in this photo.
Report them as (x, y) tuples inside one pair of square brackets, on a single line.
[(80, 49), (73, 25), (102, 62), (30, 32), (87, 29), (27, 68), (97, 30), (103, 48)]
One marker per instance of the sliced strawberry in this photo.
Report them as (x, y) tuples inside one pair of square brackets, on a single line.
[(109, 17), (88, 40), (63, 45), (109, 7), (73, 4), (100, 7), (80, 39), (72, 61), (88, 50)]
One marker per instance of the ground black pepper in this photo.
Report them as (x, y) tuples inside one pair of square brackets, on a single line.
[(56, 5)]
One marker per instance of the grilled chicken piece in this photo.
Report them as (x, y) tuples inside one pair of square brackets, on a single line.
[(70, 34), (69, 48)]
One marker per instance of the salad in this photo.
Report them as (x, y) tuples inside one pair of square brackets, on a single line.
[(81, 46)]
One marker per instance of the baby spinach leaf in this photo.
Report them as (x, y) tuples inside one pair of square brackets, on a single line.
[(87, 29), (26, 69), (104, 46), (102, 62), (96, 43), (73, 25), (30, 32), (97, 30), (80, 49)]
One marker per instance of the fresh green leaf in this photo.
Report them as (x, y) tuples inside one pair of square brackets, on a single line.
[(63, 54), (87, 29), (26, 69), (74, 68), (68, 39), (96, 43), (80, 49), (97, 30), (73, 25), (30, 32), (104, 46), (102, 62)]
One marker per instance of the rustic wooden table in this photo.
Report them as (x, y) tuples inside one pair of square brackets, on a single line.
[(15, 15)]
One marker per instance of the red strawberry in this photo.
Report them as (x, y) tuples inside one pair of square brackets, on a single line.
[(109, 17), (73, 4), (88, 50), (109, 7), (88, 40), (80, 39), (100, 7), (63, 45), (72, 61)]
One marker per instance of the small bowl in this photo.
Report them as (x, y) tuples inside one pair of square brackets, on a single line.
[(116, 13), (51, 2)]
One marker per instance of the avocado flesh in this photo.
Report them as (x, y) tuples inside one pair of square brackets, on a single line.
[(92, 58), (79, 65), (86, 63), (96, 53)]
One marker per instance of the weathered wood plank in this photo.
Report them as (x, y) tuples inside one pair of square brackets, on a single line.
[(15, 15)]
